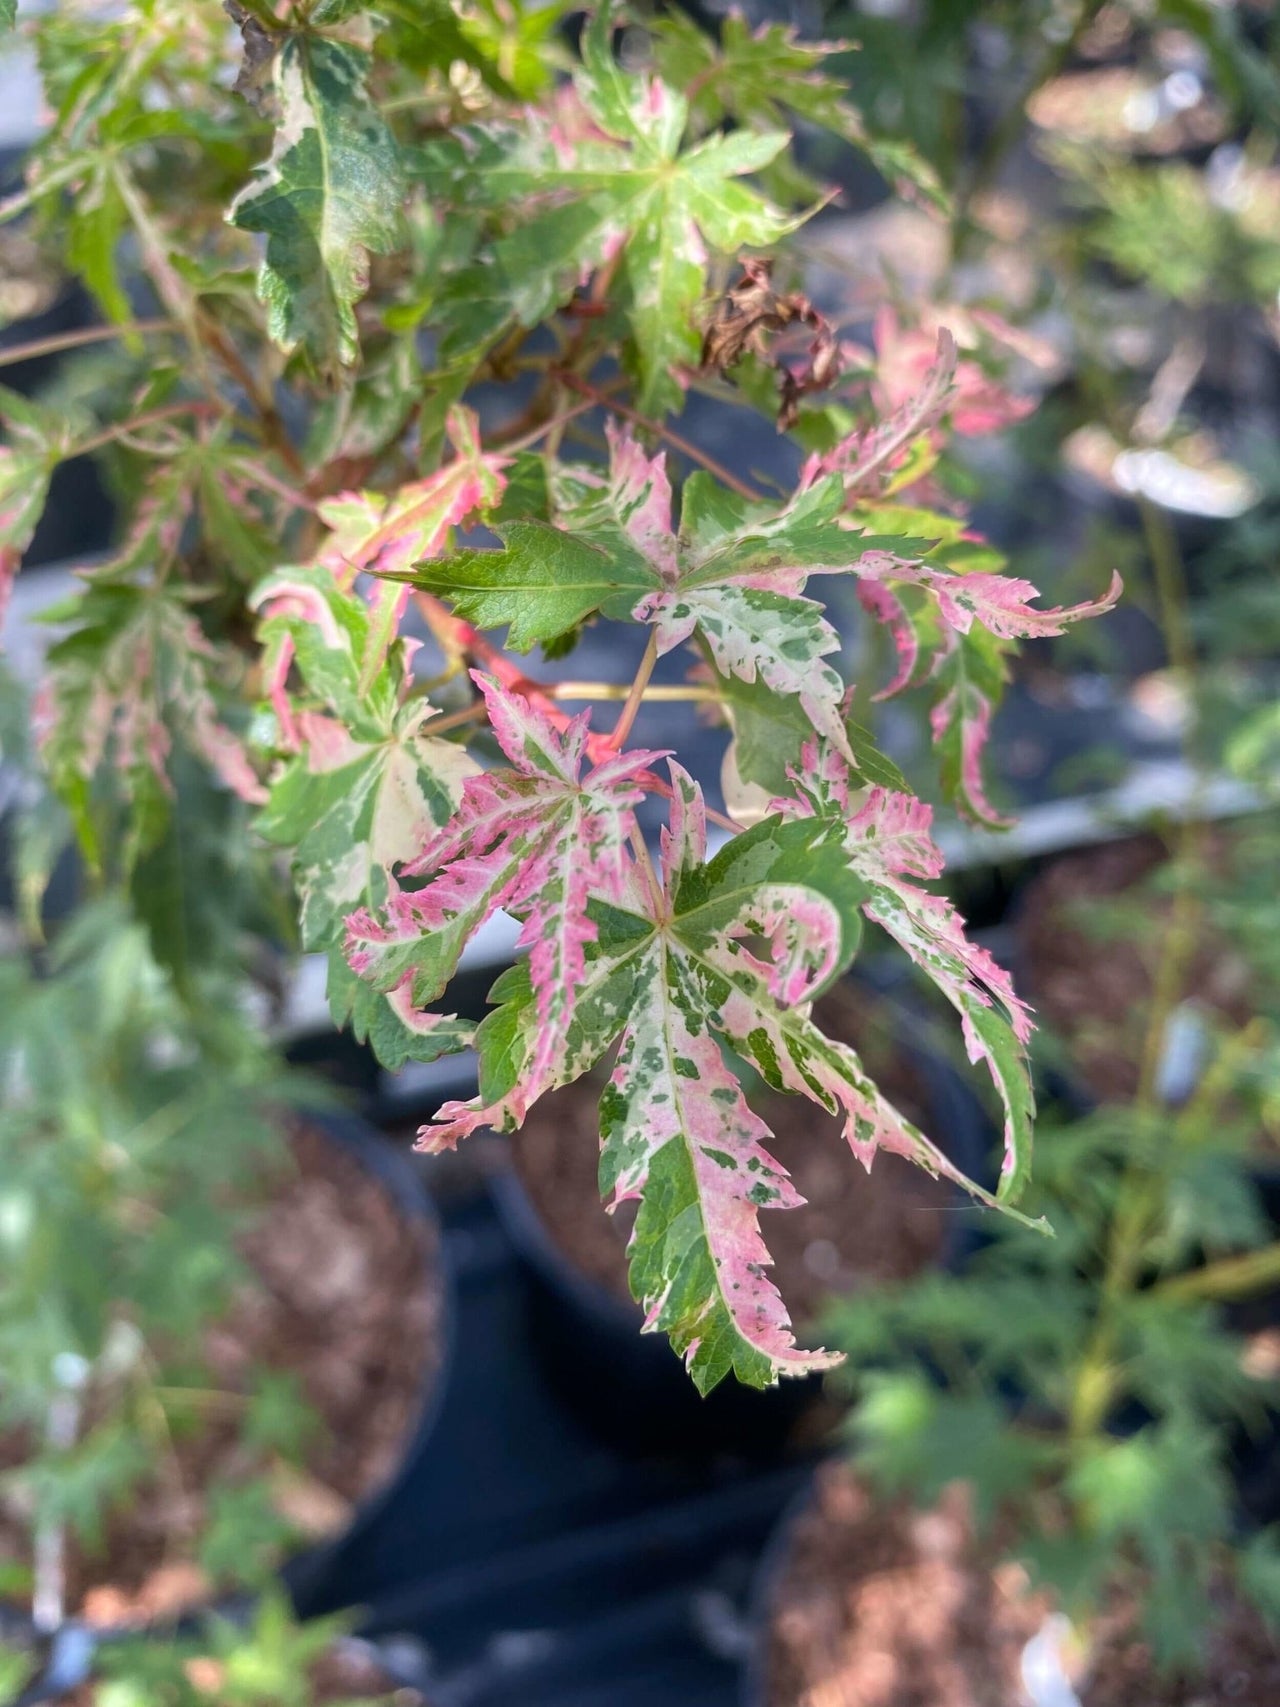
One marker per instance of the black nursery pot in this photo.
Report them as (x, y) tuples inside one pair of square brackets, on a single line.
[(769, 1572), (629, 1387), (316, 1577)]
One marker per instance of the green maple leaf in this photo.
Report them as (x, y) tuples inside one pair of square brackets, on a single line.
[(543, 584), (330, 196), (761, 77), (670, 205)]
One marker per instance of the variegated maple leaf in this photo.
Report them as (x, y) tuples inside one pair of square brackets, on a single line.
[(388, 533), (538, 840), (887, 841), (365, 784), (733, 575), (616, 182), (329, 196), (959, 630), (37, 439), (134, 676), (867, 460), (731, 952)]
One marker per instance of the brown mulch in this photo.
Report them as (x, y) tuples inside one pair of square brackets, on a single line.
[(1094, 991), (880, 1605), (855, 1229), (348, 1305)]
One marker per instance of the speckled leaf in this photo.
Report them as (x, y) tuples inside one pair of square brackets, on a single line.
[(606, 174), (888, 841), (388, 533), (536, 839), (329, 197), (35, 442), (367, 784), (691, 1150), (353, 810), (678, 1134)]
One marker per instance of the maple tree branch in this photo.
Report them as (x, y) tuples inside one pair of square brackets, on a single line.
[(523, 442), (620, 690), (575, 382), (456, 719), (635, 698), (123, 429), (57, 341), (274, 432)]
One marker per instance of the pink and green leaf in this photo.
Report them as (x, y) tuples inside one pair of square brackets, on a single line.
[(887, 842)]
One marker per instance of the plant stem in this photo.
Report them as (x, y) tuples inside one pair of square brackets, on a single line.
[(1138, 1202), (456, 719), (123, 429), (635, 697), (1231, 1277), (619, 690), (57, 341), (576, 383), (509, 447)]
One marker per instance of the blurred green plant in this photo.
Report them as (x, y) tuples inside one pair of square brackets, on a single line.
[(271, 1661), (136, 1130)]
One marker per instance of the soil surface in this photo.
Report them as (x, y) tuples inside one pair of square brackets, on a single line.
[(855, 1228), (345, 1674), (1094, 989), (880, 1605), (348, 1305)]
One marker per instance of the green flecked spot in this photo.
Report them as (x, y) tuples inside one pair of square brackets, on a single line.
[(686, 1068), (761, 1046), (721, 1158)]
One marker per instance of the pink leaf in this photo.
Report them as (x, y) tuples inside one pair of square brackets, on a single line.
[(535, 840), (640, 494), (387, 535), (962, 718), (671, 1088), (886, 838), (998, 602), (887, 608), (867, 456)]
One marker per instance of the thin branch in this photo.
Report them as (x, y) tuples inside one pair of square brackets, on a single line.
[(620, 690), (677, 442), (88, 335), (509, 447), (635, 697), (123, 429), (456, 719)]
